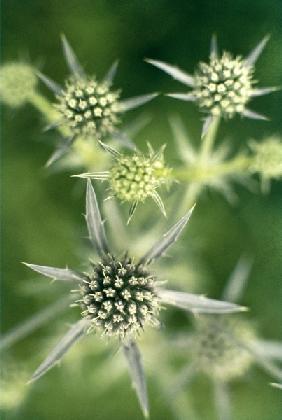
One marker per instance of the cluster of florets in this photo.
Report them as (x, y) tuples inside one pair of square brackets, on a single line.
[(223, 86), (267, 159), (89, 107), (134, 178), (217, 349), (17, 83), (119, 297)]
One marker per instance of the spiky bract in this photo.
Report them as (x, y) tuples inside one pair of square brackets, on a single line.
[(223, 86), (134, 178), (119, 297), (17, 83), (267, 158), (89, 107), (217, 347)]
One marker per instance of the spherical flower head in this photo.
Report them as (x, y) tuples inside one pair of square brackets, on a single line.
[(89, 107), (134, 178), (223, 86), (119, 297), (216, 348), (267, 158), (17, 83)]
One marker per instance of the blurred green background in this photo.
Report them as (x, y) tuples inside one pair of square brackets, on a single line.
[(42, 211)]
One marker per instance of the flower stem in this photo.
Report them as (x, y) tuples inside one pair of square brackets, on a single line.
[(202, 174), (209, 139), (47, 110)]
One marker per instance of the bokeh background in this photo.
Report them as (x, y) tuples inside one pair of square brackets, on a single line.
[(42, 211)]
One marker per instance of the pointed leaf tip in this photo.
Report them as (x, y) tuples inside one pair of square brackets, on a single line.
[(70, 338), (136, 101), (256, 52), (54, 273), (71, 59), (53, 86), (173, 71), (137, 374), (167, 240), (94, 221), (197, 303)]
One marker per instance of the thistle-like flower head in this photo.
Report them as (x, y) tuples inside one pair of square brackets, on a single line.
[(267, 158), (17, 83), (221, 87), (136, 177), (216, 350), (119, 297), (89, 107)]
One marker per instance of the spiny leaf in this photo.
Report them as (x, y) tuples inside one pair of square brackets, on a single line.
[(72, 336), (109, 76), (265, 90), (188, 97), (110, 149), (28, 326), (197, 303), (135, 102), (173, 71), (63, 274), (94, 221), (168, 239), (53, 86), (254, 115), (137, 374), (71, 59), (256, 52), (213, 47)]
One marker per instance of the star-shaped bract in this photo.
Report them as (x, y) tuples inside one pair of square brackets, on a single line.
[(88, 107), (223, 86), (118, 296)]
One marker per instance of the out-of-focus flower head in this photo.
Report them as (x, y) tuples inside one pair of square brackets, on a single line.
[(18, 82), (267, 159)]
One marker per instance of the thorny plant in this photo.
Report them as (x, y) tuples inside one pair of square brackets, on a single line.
[(120, 296)]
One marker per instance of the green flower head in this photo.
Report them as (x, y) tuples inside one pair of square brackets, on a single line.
[(119, 297), (216, 349), (17, 83), (222, 86), (267, 158), (89, 107), (134, 178)]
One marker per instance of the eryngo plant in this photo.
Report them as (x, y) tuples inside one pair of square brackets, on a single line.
[(221, 87), (224, 349), (120, 297), (136, 177), (88, 108)]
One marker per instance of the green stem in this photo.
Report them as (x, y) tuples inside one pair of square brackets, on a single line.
[(48, 111), (209, 139), (202, 174)]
